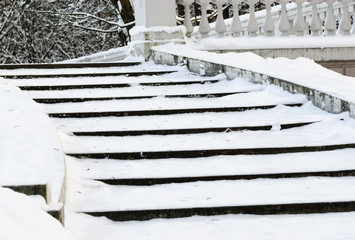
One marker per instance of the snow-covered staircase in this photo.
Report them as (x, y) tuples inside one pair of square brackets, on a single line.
[(148, 141)]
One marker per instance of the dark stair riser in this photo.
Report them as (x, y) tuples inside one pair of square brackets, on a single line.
[(111, 85), (168, 180), (69, 100), (67, 65), (161, 112), (293, 208), (72, 87), (207, 153), (128, 74), (39, 189), (186, 131)]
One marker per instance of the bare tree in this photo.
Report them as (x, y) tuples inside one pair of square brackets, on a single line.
[(49, 31)]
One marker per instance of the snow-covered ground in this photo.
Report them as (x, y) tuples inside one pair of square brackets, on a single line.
[(301, 71), (23, 217), (26, 127), (333, 226), (31, 152)]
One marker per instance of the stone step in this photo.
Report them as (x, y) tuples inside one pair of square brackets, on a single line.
[(110, 85), (68, 100), (258, 196), (191, 168), (41, 190), (67, 65), (281, 115), (188, 130), (72, 75), (37, 189), (162, 111), (268, 209), (208, 152), (167, 180)]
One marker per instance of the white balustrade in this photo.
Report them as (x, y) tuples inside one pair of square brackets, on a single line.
[(204, 27), (187, 20), (269, 26), (236, 26), (319, 17), (221, 27)]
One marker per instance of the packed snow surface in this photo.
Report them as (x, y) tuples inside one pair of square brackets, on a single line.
[(230, 227), (23, 217), (302, 71), (31, 152)]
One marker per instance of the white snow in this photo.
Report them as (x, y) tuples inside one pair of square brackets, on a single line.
[(136, 90), (23, 217), (26, 127), (142, 29), (84, 195), (279, 114), (266, 97), (31, 152), (324, 133), (138, 68), (251, 227), (276, 42), (213, 166), (301, 71)]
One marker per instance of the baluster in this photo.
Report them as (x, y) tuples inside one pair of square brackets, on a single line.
[(300, 25), (221, 27), (345, 23), (284, 25), (236, 26), (204, 27), (252, 24), (187, 21), (315, 23), (269, 26), (330, 22)]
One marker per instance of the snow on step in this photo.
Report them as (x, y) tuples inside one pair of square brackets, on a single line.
[(95, 196), (270, 96), (180, 76), (221, 87), (278, 115), (37, 72), (291, 227), (321, 133), (214, 166)]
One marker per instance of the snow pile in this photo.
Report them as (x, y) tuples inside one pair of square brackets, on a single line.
[(300, 71), (21, 217), (263, 42), (31, 151)]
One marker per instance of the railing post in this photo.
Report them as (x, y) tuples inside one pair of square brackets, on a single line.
[(148, 32), (284, 25), (204, 27), (330, 22), (236, 26), (221, 27), (187, 20), (269, 26), (315, 24), (299, 22), (252, 24), (345, 24)]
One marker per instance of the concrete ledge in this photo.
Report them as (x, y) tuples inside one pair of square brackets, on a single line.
[(320, 99), (317, 54)]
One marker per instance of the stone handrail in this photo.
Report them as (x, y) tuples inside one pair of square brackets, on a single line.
[(300, 17)]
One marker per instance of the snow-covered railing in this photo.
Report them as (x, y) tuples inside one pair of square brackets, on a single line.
[(297, 17)]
